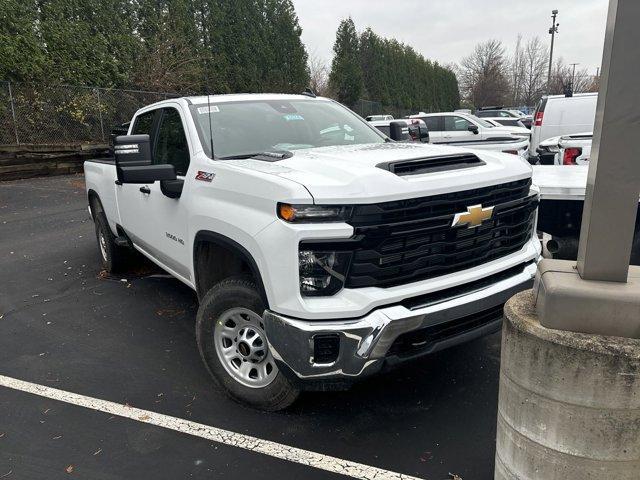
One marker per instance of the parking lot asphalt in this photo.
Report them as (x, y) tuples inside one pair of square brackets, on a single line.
[(130, 340)]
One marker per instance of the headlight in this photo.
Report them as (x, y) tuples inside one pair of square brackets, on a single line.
[(322, 272), (312, 213)]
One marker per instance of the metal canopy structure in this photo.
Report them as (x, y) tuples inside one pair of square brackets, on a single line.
[(613, 183), (601, 294)]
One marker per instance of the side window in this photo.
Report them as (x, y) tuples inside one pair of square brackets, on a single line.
[(456, 124), (384, 129), (433, 123), (171, 143), (143, 124)]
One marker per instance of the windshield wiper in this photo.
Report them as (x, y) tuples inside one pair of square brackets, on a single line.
[(241, 156), (268, 156)]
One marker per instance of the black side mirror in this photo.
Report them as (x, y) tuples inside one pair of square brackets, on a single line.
[(473, 128), (134, 163), (398, 131), (423, 134)]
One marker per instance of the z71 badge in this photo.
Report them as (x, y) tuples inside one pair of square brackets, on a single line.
[(205, 176)]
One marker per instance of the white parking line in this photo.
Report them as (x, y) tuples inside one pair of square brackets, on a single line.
[(246, 442)]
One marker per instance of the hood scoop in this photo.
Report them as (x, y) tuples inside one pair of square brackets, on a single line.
[(418, 166)]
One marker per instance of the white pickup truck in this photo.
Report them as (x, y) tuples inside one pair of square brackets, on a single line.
[(321, 250), (574, 149)]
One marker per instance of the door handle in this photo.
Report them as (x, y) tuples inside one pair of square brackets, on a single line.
[(145, 189)]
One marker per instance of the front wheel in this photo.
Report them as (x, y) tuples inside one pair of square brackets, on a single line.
[(233, 344)]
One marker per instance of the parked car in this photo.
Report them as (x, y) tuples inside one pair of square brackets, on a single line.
[(319, 250), (566, 149), (506, 117), (377, 118), (414, 130), (562, 193), (558, 115), (461, 129)]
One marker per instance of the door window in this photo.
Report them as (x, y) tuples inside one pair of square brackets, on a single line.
[(433, 123), (171, 143), (143, 123), (456, 124)]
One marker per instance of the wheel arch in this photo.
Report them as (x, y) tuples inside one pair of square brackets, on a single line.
[(93, 197), (217, 243)]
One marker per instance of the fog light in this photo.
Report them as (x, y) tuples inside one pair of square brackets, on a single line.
[(326, 348)]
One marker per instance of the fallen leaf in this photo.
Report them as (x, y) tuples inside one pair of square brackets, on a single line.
[(144, 417), (453, 476), (69, 469)]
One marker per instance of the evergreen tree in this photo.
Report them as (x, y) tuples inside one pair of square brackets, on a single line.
[(346, 71), (22, 56), (394, 74), (88, 42)]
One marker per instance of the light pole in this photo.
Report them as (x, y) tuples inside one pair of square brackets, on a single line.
[(553, 30), (573, 77)]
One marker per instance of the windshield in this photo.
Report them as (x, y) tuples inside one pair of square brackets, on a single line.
[(481, 121), (249, 127)]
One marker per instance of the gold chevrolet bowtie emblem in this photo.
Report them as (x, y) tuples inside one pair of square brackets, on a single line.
[(473, 217)]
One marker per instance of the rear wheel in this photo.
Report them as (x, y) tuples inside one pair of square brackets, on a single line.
[(114, 258), (233, 344)]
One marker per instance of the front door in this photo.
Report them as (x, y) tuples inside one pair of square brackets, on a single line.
[(456, 129), (156, 223)]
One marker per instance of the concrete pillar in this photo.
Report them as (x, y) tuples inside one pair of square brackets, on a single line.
[(569, 403)]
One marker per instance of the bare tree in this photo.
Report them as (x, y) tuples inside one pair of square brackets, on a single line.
[(535, 71), (517, 73), (318, 75), (564, 79), (482, 74)]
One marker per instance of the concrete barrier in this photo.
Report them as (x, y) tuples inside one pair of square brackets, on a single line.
[(569, 403), (25, 161)]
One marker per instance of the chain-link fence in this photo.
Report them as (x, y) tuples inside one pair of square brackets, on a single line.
[(53, 115), (38, 114)]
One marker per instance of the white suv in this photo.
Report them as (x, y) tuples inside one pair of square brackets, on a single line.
[(463, 129)]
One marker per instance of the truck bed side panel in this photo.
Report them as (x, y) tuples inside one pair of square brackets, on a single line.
[(100, 177)]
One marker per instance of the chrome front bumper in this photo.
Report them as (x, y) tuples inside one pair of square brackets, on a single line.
[(364, 342)]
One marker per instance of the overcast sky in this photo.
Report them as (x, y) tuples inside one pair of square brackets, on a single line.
[(447, 30)]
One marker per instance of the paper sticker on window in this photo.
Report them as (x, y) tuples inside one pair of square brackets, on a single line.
[(292, 117), (347, 128), (205, 110), (349, 138), (333, 128)]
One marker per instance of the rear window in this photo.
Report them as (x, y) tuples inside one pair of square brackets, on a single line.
[(541, 105)]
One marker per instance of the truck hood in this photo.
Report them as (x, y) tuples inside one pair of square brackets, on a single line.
[(508, 131), (349, 174)]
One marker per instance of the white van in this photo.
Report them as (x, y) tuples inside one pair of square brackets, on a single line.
[(560, 115)]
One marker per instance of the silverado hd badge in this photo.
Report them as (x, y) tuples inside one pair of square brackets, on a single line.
[(473, 217)]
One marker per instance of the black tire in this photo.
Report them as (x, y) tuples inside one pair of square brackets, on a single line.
[(232, 293), (114, 258)]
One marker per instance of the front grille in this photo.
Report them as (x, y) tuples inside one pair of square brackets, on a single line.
[(411, 240), (424, 339)]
